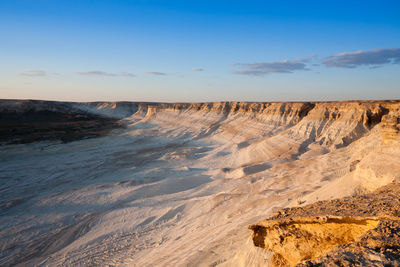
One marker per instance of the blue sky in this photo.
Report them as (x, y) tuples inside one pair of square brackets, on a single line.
[(199, 50)]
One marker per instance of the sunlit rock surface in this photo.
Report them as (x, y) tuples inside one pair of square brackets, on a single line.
[(161, 184), (359, 230)]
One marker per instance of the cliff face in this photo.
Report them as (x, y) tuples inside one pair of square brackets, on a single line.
[(332, 124), (32, 121), (391, 126)]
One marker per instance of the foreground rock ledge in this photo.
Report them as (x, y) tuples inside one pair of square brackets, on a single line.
[(357, 230)]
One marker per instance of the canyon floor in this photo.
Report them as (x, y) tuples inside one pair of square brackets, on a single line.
[(151, 184)]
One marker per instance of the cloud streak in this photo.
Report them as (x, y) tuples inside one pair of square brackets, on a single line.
[(372, 58), (127, 74), (95, 73), (104, 74), (33, 73), (197, 69), (155, 73), (264, 68)]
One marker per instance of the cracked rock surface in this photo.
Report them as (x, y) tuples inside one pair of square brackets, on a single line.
[(362, 230)]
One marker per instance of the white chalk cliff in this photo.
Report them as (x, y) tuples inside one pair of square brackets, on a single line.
[(178, 184)]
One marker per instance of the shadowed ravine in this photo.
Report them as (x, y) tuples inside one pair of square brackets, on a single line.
[(147, 184)]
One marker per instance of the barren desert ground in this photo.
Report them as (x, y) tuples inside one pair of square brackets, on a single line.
[(152, 184)]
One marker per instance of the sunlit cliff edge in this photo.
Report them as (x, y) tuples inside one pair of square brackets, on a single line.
[(320, 150), (332, 124)]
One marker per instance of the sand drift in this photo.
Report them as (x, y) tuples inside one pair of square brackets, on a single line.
[(150, 184)]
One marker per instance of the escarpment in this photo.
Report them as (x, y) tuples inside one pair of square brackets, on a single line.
[(33, 121), (330, 124), (337, 124), (192, 176), (358, 230)]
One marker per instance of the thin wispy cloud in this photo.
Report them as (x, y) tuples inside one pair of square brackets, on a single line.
[(197, 69), (126, 74), (104, 74), (305, 59), (33, 73), (155, 73), (372, 58), (264, 68), (95, 73)]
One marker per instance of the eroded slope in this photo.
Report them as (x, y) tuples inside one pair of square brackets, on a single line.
[(180, 183)]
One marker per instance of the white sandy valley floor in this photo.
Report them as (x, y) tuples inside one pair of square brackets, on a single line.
[(159, 194)]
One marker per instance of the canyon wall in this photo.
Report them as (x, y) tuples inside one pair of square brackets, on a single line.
[(253, 158), (334, 124)]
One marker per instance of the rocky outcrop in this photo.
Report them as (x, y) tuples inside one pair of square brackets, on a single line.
[(358, 230)]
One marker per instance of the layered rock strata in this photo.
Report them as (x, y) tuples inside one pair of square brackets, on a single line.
[(391, 127), (332, 124)]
